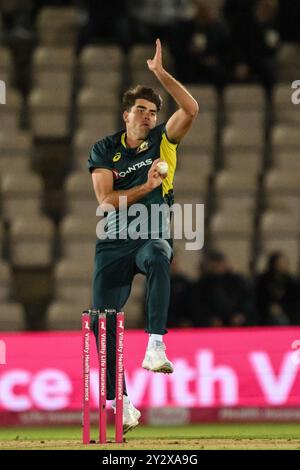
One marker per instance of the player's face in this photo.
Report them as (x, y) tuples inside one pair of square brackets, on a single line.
[(141, 118)]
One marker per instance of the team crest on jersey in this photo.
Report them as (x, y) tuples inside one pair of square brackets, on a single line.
[(117, 157), (144, 146)]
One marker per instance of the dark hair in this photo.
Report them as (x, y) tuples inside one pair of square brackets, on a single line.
[(272, 261), (215, 255), (140, 91), (211, 255)]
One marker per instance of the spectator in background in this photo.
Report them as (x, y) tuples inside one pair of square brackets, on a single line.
[(169, 20), (220, 297), (17, 17), (277, 293), (207, 48), (104, 21), (179, 285), (288, 18), (255, 40)]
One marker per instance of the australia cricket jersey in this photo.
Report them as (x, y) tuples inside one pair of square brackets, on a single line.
[(130, 168)]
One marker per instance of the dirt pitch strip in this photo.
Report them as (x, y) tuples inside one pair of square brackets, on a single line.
[(148, 444)]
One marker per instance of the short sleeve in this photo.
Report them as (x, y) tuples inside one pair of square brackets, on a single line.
[(158, 131), (100, 156)]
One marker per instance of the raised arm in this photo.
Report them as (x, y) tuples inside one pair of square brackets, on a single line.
[(180, 122)]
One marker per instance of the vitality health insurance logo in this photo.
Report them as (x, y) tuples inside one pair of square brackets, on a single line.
[(2, 343), (2, 92), (2, 352), (296, 354)]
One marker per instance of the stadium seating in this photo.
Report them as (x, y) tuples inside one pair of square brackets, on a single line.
[(280, 231), (189, 259), (64, 315), (232, 232), (31, 241), (78, 237), (11, 317), (100, 67), (21, 195), (97, 110), (238, 186), (285, 111), (243, 162), (238, 252), (72, 277), (80, 197), (285, 137), (53, 67), (287, 160), (14, 143), (11, 112), (188, 183), (206, 96), (244, 98), (20, 163), (282, 182), (49, 112), (5, 281), (6, 65), (288, 63), (243, 139), (57, 26), (201, 136)]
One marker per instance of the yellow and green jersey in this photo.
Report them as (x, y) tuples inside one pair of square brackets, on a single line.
[(130, 168)]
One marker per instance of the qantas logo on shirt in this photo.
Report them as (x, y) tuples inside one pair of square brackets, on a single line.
[(130, 169)]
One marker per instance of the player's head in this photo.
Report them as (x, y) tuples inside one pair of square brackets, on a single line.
[(140, 108), (215, 263), (278, 262)]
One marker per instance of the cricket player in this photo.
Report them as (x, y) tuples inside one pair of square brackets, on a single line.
[(124, 167)]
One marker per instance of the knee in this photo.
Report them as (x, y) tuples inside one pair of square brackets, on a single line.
[(157, 257)]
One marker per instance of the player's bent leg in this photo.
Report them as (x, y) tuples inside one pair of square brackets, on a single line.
[(113, 276), (153, 260), (111, 288)]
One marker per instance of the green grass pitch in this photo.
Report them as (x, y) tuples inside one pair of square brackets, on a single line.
[(192, 437)]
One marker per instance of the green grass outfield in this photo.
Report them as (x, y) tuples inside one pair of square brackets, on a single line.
[(200, 437)]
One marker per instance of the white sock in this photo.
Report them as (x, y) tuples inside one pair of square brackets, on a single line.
[(126, 400), (154, 337)]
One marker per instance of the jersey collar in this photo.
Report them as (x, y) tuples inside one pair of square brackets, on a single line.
[(141, 148)]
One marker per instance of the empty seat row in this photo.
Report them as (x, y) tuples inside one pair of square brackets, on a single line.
[(6, 65), (12, 316), (73, 295), (57, 26), (10, 113), (21, 194), (5, 281)]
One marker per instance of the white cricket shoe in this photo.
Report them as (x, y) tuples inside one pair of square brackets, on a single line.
[(156, 360), (131, 415)]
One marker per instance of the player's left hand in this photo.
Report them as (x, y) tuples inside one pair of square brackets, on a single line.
[(155, 64)]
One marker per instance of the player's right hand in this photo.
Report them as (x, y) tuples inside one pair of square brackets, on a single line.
[(154, 178), (155, 64)]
